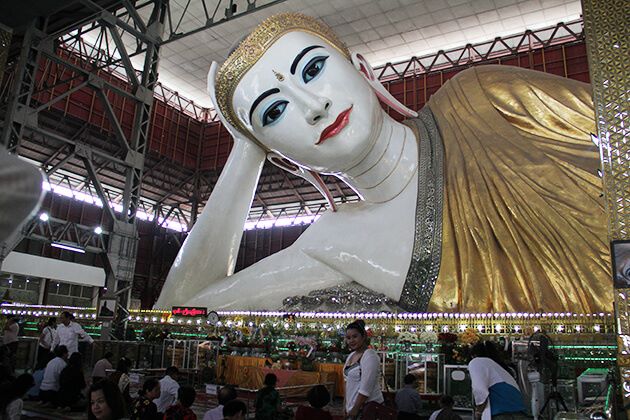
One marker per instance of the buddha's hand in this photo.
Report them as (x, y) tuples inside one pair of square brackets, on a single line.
[(212, 77)]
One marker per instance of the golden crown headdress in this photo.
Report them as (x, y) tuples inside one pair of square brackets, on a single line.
[(254, 46)]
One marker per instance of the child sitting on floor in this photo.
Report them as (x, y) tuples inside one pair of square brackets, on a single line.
[(318, 397)]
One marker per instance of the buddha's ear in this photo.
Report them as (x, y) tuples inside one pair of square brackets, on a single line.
[(311, 176), (361, 64)]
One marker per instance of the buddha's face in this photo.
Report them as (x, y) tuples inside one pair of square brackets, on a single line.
[(305, 100)]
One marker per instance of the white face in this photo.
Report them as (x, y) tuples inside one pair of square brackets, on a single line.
[(306, 101)]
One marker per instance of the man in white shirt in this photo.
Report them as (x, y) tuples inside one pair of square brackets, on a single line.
[(101, 366), (49, 388), (70, 333), (169, 388), (226, 394)]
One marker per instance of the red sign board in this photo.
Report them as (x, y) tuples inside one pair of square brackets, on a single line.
[(189, 312)]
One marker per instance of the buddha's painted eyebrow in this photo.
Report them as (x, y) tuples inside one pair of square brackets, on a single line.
[(300, 55), (259, 100)]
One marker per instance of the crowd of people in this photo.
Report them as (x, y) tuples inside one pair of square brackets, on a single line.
[(58, 380)]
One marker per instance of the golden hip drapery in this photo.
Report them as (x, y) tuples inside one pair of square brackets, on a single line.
[(524, 227)]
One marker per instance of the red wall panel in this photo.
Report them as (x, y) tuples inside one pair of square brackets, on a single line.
[(173, 134)]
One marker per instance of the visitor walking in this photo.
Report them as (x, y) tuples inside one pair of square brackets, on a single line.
[(70, 333)]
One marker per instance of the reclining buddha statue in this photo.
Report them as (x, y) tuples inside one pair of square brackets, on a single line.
[(487, 199)]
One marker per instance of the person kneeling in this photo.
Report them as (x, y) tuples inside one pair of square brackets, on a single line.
[(235, 410), (318, 397), (408, 400), (181, 410)]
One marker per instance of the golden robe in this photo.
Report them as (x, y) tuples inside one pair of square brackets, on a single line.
[(524, 227)]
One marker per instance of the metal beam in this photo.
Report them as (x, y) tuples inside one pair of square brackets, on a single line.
[(58, 98), (141, 126), (58, 137), (120, 134), (211, 20), (86, 158), (58, 230), (122, 50), (22, 89)]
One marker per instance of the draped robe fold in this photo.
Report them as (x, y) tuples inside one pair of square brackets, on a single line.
[(524, 227)]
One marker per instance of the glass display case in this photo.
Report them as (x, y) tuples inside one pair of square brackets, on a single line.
[(389, 374), (457, 384), (141, 355), (428, 368), (190, 354)]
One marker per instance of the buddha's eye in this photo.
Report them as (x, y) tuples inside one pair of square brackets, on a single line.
[(313, 68), (273, 112)]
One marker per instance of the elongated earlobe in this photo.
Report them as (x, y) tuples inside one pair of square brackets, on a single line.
[(311, 176), (361, 64)]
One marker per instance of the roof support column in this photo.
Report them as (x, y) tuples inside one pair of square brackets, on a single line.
[(607, 35)]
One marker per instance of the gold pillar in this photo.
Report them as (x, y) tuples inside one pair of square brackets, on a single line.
[(606, 23)]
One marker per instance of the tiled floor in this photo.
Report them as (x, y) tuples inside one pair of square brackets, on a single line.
[(33, 410)]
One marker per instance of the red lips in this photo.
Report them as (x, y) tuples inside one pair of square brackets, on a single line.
[(336, 127)]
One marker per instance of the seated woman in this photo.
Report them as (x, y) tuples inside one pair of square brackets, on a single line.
[(181, 409), (143, 407), (485, 200), (11, 395), (38, 377), (71, 384), (121, 377), (318, 397), (106, 401)]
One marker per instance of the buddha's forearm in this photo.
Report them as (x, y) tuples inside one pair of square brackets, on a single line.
[(209, 252)]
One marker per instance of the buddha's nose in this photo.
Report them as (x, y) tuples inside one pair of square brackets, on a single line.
[(318, 110), (315, 107)]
